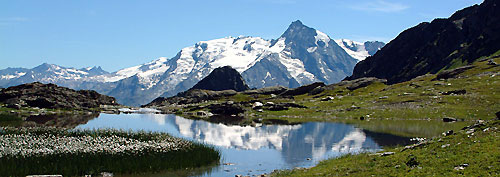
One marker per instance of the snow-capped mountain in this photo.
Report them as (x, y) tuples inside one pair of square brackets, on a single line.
[(50, 73), (6, 75), (359, 50), (301, 55)]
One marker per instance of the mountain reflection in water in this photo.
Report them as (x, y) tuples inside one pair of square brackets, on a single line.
[(294, 144)]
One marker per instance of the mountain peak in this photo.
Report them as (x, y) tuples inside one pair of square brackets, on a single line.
[(298, 29), (297, 26), (44, 66), (222, 78), (297, 23)]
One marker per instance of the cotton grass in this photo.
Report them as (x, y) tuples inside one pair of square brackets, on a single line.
[(39, 150)]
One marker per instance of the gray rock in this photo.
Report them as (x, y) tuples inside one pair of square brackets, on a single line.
[(449, 119), (491, 62), (203, 114), (448, 133), (387, 154), (455, 92), (461, 167), (257, 105), (328, 98)]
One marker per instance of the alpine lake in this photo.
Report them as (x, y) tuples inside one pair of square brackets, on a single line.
[(262, 148)]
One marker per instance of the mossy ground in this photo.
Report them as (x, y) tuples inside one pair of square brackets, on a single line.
[(477, 152)]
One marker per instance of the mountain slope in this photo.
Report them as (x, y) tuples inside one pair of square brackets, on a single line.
[(431, 47)]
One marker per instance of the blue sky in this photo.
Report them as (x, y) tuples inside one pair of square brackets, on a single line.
[(116, 34)]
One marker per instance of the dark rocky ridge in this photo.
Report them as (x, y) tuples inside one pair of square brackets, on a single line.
[(221, 82), (223, 78), (53, 97), (442, 44)]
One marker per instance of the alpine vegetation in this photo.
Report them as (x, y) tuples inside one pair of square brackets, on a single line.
[(27, 151)]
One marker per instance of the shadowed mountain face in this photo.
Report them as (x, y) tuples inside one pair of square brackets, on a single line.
[(430, 47), (223, 78)]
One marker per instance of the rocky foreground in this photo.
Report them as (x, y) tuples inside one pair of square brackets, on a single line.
[(51, 96)]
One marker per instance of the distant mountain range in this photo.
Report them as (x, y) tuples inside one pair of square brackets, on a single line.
[(466, 36), (302, 55)]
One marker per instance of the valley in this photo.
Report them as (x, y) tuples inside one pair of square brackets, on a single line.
[(427, 103)]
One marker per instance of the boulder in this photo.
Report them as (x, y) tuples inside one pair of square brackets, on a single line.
[(455, 92), (491, 62), (448, 133), (328, 98), (257, 105), (449, 119)]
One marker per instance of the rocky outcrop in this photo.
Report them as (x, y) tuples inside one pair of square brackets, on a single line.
[(303, 89), (452, 73), (190, 97), (431, 47), (223, 78), (361, 82), (53, 97), (267, 90)]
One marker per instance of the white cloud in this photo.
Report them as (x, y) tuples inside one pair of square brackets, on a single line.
[(380, 6)]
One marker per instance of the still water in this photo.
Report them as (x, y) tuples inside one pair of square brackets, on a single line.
[(255, 150)]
